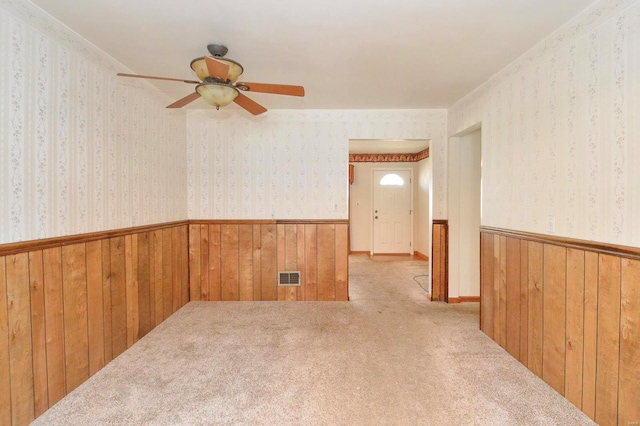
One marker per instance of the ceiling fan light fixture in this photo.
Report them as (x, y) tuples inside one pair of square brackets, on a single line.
[(199, 66), (217, 94)]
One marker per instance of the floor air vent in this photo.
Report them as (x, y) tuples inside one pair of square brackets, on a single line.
[(289, 278)]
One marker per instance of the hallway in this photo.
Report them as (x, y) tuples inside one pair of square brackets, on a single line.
[(387, 278)]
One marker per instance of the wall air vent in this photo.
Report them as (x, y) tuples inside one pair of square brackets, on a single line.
[(289, 278)]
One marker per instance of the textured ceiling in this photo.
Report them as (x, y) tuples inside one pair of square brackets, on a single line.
[(349, 54)]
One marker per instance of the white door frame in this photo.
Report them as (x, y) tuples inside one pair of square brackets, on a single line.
[(371, 208), (455, 217)]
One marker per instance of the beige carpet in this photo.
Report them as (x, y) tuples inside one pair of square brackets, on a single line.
[(388, 357)]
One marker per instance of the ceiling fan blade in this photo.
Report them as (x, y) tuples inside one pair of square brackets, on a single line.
[(217, 68), (250, 105), (187, 99), (277, 89), (157, 78)]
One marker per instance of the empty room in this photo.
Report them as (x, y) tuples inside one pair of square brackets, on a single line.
[(241, 213)]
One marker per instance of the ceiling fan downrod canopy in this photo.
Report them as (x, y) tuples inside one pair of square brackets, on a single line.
[(217, 50)]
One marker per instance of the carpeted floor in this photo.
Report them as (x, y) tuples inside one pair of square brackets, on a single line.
[(387, 357)]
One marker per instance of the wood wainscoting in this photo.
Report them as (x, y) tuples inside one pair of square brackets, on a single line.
[(239, 260), (570, 312), (440, 261), (70, 305)]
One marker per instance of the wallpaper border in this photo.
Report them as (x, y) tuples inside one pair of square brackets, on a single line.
[(389, 158)]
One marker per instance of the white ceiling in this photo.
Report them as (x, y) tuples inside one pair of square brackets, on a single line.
[(387, 146), (349, 54)]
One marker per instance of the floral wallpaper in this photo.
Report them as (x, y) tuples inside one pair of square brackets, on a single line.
[(560, 131), (80, 150), (293, 164)]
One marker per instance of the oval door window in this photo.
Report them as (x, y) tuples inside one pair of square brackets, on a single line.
[(391, 179)]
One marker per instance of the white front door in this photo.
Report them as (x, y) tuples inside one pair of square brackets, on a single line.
[(392, 211)]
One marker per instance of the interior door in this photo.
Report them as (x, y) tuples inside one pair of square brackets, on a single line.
[(392, 211)]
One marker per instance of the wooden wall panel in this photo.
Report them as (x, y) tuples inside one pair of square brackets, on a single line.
[(176, 280), (152, 281), (443, 260), (144, 284), (245, 262), (513, 309), (131, 289), (76, 334), (436, 273), (257, 262), (38, 333), (203, 265), (95, 307), (311, 261), (302, 267), (118, 296), (578, 319), (67, 310), (500, 250), (440, 261), (608, 350), (535, 306), (244, 258), (342, 264), (106, 300), (575, 326), (183, 252), (157, 279), (554, 302), (5, 371), (629, 397), (167, 273), (590, 334), (326, 262), (269, 262), (498, 324), (280, 257), (54, 319), (195, 260), (524, 303), (20, 348), (229, 268), (215, 286), (486, 298)]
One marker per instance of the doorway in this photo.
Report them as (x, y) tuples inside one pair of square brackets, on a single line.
[(389, 156), (465, 185), (392, 209)]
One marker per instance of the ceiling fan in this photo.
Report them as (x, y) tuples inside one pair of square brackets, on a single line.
[(218, 84)]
